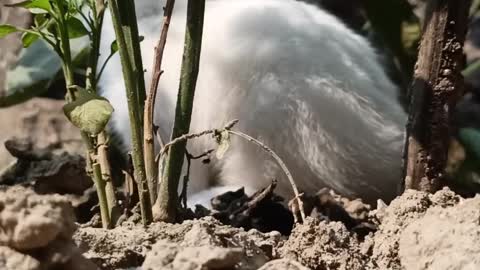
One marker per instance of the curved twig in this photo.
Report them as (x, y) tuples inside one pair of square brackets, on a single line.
[(228, 128), (280, 162)]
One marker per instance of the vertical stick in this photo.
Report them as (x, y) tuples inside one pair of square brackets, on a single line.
[(129, 56), (151, 168), (437, 83)]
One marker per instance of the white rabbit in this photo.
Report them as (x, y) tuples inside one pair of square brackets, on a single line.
[(296, 78)]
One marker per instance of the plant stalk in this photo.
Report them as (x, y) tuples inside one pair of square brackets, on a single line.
[(101, 147), (102, 195), (133, 77), (107, 200), (167, 203), (151, 168)]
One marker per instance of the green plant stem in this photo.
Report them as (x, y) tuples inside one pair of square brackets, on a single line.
[(102, 195), (166, 206), (102, 159), (128, 20), (93, 166), (101, 146), (66, 54), (131, 76), (96, 33), (471, 69)]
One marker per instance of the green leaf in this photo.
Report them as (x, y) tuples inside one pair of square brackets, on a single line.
[(29, 38), (114, 47), (75, 28), (6, 29), (34, 6), (74, 5), (41, 20), (470, 138), (223, 140), (89, 112)]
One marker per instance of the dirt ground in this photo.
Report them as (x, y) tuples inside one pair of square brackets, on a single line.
[(416, 231)]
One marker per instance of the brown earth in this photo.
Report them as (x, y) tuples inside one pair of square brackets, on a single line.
[(416, 231)]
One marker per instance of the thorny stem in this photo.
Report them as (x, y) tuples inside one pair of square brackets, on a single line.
[(166, 205), (189, 136), (186, 137), (151, 170), (123, 26)]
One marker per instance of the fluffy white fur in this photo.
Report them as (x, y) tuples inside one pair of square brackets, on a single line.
[(296, 78)]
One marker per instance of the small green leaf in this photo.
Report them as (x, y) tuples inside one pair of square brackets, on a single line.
[(89, 112), (34, 6), (223, 140), (6, 29), (114, 47), (41, 20), (29, 38), (75, 28)]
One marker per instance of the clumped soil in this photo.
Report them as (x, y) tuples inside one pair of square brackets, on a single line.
[(416, 231), (36, 232), (48, 220)]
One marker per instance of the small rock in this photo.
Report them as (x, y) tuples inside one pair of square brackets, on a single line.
[(36, 232), (283, 264), (383, 247), (443, 239), (13, 260), (207, 258), (165, 255), (324, 245), (30, 221)]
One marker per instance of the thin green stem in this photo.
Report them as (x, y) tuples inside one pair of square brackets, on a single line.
[(167, 203), (102, 196), (103, 66), (106, 203), (101, 146), (122, 26)]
